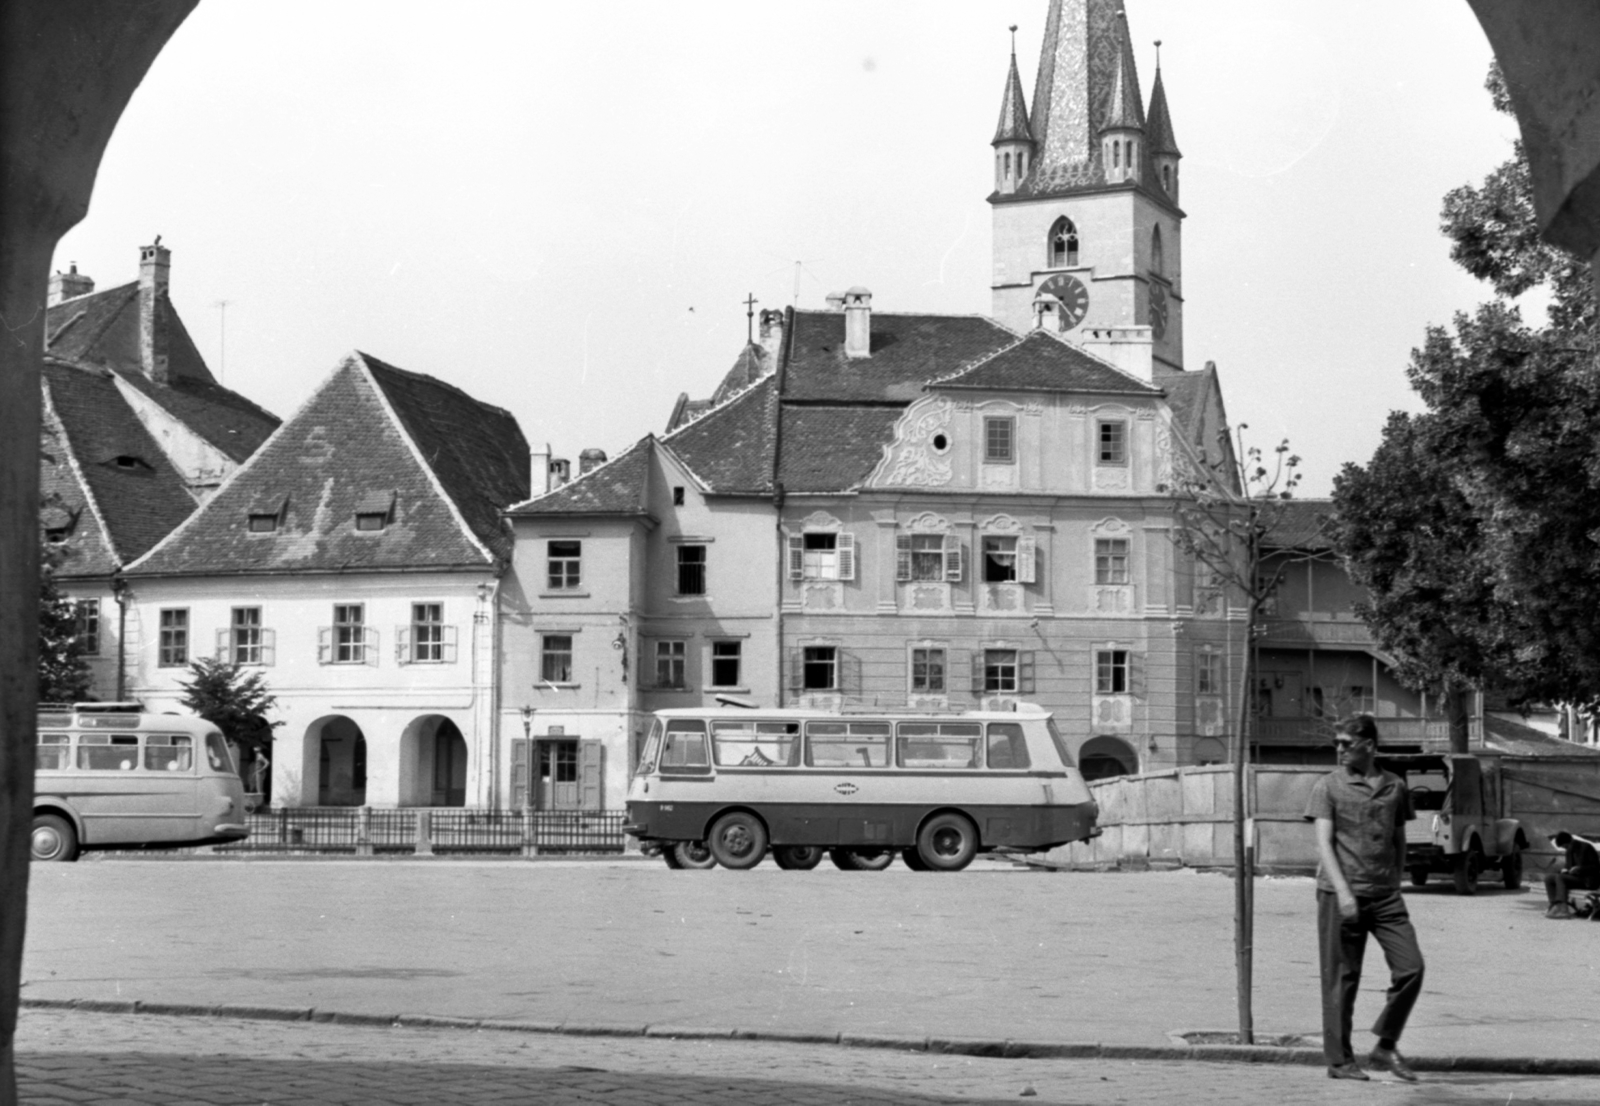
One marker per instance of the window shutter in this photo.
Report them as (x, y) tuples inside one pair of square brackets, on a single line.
[(1136, 675), (797, 668), (1027, 556), (369, 646), (977, 672), (222, 647), (902, 556), (269, 647), (591, 780), (402, 644), (848, 673), (324, 645), (1025, 672), (952, 558), (520, 748), (797, 556), (449, 650), (847, 556)]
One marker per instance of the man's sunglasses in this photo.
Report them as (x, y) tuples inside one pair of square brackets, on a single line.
[(1346, 742)]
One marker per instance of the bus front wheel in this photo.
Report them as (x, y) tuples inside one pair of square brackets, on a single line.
[(738, 840), (53, 839), (797, 858), (947, 843)]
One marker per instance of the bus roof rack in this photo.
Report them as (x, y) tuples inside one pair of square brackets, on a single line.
[(128, 707), (738, 701)]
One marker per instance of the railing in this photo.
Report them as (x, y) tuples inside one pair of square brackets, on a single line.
[(1311, 633), (425, 831), (1319, 731)]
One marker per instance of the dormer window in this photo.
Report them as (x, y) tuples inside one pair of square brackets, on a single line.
[(263, 524), (265, 518), (57, 535), (127, 462), (374, 511), (1063, 244)]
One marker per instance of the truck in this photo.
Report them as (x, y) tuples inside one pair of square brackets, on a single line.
[(1463, 825)]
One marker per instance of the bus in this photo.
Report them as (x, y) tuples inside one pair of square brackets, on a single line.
[(725, 785), (111, 776)]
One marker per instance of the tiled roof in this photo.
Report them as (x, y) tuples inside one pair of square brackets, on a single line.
[(1303, 524), (833, 448), (730, 448), (110, 458), (102, 329), (617, 487), (750, 367), (1043, 362), (907, 351), (445, 458), (1186, 395), (476, 450), (1158, 128), (1013, 125), (1123, 107)]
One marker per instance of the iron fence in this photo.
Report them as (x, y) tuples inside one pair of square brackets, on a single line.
[(444, 831)]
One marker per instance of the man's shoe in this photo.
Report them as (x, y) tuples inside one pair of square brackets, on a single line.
[(1559, 910), (1390, 1060), (1346, 1070)]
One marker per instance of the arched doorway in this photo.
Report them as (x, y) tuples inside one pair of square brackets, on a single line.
[(1208, 750), (340, 749), (1103, 757), (433, 763)]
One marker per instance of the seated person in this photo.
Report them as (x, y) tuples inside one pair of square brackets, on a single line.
[(1581, 870)]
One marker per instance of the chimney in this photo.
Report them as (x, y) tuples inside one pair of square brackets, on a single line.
[(857, 323), (560, 472), (590, 458), (155, 262), (771, 336), (539, 469), (1129, 348), (68, 285)]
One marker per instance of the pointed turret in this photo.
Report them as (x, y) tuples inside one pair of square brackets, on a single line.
[(1013, 137), (1163, 145), (1122, 134)]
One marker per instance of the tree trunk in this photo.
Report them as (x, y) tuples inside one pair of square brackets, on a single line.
[(67, 70), (1456, 710)]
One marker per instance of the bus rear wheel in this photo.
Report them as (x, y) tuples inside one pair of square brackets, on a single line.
[(53, 839), (689, 854), (797, 858), (913, 859), (738, 840), (947, 842), (861, 860)]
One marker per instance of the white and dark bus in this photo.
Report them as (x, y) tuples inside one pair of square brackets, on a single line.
[(723, 786), (111, 776)]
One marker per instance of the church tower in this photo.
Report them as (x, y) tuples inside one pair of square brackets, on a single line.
[(1086, 219)]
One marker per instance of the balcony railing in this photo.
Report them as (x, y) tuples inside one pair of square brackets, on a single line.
[(1318, 633), (1319, 731)]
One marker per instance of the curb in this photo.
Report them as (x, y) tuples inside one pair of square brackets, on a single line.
[(1005, 1048)]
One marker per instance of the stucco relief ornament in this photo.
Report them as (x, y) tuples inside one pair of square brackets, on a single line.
[(1034, 408), (1000, 524), (1164, 471), (928, 523), (820, 520), (920, 455)]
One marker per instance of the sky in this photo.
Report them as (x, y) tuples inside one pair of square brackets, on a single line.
[(561, 208)]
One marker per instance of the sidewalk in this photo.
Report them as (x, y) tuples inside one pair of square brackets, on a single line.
[(76, 1057)]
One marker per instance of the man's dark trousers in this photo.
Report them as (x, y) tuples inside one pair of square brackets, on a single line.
[(1344, 944)]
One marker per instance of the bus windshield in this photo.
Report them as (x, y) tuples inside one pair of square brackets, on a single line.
[(1059, 742)]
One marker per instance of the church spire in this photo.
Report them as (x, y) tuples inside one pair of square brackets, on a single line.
[(1163, 145), (1013, 137)]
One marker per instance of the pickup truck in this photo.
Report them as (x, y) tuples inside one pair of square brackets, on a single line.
[(1463, 826)]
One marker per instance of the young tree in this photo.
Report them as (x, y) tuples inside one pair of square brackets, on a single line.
[(1226, 512), (63, 675), (237, 703), (1475, 527)]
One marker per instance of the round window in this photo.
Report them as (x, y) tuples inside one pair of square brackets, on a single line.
[(940, 443)]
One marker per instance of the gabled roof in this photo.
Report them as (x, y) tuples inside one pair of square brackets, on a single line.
[(618, 487), (102, 330), (447, 462), (1304, 525), (750, 366), (1158, 128), (102, 463), (1042, 362), (731, 448), (1013, 125), (907, 351), (829, 449)]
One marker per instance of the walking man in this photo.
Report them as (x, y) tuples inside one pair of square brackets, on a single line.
[(1360, 812)]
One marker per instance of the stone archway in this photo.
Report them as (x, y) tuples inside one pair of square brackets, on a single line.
[(1103, 757), (334, 772), (433, 763)]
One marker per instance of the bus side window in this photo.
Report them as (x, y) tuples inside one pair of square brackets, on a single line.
[(685, 746), (217, 754), (102, 752), (847, 744), (168, 752), (54, 753), (652, 749), (1059, 742), (1007, 747), (939, 745), (756, 744)]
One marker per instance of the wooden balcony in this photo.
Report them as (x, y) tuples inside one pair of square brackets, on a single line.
[(1317, 633), (1427, 732)]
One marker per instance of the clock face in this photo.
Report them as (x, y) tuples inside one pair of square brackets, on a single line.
[(1069, 291), (1158, 310)]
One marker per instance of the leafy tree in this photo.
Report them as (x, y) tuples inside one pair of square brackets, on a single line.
[(63, 674), (237, 702), (1475, 527)]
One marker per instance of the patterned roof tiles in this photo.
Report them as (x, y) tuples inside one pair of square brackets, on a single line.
[(833, 448), (1042, 362), (907, 351), (1013, 125), (617, 487), (449, 462), (732, 447)]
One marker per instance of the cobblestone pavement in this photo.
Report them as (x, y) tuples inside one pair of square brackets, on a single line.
[(991, 952), (74, 1057)]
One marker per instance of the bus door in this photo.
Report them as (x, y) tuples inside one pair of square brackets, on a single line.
[(129, 791)]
